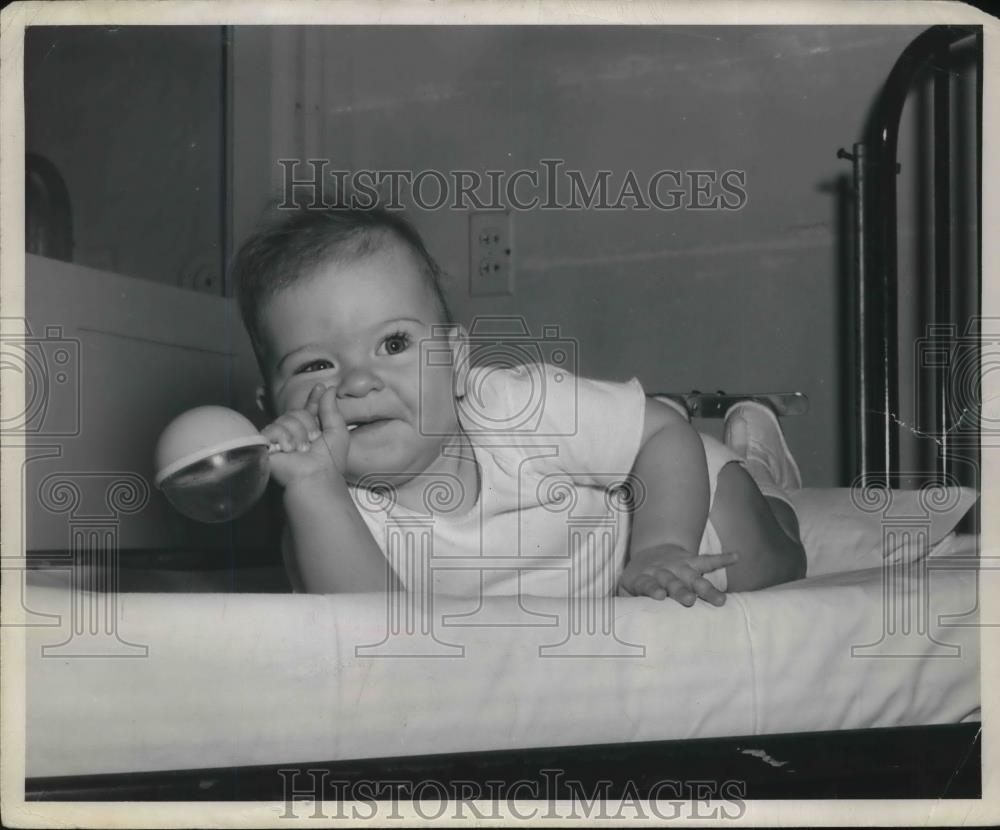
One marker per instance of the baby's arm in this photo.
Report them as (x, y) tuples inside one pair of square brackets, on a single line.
[(670, 518), (328, 547)]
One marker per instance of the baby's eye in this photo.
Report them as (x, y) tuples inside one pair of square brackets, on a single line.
[(396, 343), (314, 366)]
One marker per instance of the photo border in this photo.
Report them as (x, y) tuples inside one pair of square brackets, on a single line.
[(231, 814)]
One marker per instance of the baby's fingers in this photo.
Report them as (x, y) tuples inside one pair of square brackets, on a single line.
[(308, 422), (646, 585), (696, 584), (290, 433), (277, 434), (675, 587), (330, 418), (712, 561), (708, 592), (312, 402)]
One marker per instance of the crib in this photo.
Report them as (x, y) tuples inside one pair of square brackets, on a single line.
[(822, 722)]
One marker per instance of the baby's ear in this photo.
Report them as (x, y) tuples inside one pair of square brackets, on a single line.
[(458, 340)]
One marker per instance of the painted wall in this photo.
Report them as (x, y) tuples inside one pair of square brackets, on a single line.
[(746, 300)]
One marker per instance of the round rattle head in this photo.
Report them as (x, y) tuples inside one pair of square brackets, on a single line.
[(211, 464)]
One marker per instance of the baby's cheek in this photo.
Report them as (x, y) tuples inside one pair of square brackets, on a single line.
[(289, 398), (434, 399)]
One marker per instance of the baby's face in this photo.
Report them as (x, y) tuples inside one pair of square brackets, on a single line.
[(356, 326)]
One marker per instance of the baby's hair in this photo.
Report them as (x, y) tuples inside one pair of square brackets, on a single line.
[(290, 247)]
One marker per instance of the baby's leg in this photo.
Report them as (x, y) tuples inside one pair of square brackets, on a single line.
[(786, 517), (764, 534), (751, 512), (753, 432)]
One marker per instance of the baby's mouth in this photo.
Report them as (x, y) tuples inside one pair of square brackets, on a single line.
[(354, 426)]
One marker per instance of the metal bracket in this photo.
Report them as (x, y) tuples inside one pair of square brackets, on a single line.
[(716, 404)]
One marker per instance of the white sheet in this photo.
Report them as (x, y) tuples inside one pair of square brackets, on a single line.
[(264, 679)]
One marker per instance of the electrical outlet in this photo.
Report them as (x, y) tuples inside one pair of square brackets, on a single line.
[(491, 253)]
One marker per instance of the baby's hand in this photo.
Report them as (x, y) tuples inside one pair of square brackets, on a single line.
[(313, 441), (672, 571)]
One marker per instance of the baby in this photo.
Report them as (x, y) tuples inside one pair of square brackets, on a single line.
[(345, 311)]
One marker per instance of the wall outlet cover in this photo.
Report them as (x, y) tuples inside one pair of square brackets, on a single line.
[(491, 253)]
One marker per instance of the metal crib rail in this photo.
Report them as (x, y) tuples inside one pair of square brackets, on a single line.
[(875, 254)]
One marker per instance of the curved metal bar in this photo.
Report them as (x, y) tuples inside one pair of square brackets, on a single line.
[(880, 293), (48, 212), (716, 404)]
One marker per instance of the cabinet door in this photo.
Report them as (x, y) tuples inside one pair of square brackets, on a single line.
[(108, 361)]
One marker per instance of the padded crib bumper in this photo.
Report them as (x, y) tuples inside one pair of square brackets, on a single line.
[(265, 679)]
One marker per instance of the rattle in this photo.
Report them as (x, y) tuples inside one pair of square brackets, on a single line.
[(212, 464)]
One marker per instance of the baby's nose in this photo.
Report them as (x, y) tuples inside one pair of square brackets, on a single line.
[(358, 382)]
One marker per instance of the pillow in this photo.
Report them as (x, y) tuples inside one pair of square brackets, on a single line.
[(844, 528)]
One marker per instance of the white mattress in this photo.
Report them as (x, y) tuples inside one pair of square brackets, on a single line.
[(265, 679)]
